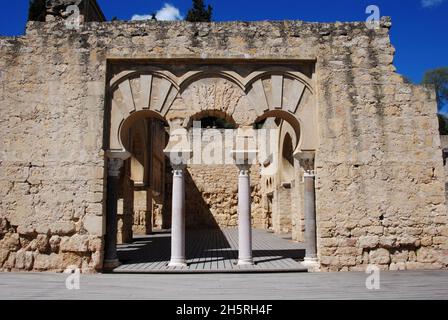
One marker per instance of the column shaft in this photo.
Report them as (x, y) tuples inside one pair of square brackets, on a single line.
[(113, 179), (178, 219), (244, 218), (310, 217)]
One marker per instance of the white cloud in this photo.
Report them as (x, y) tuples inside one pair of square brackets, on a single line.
[(138, 17), (431, 3), (167, 13)]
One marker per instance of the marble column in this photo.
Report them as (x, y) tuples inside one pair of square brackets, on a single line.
[(178, 218), (244, 217), (310, 217), (113, 179)]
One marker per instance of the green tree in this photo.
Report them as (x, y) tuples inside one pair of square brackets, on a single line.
[(37, 10), (439, 79), (198, 13)]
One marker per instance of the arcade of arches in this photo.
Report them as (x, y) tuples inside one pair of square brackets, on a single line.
[(153, 106)]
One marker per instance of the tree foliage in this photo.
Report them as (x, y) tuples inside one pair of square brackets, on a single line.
[(199, 13), (439, 79), (37, 10)]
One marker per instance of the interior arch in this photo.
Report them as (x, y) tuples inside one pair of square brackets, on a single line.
[(287, 162), (127, 123), (212, 113), (288, 117)]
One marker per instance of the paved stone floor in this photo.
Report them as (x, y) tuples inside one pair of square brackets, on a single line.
[(214, 250), (393, 285)]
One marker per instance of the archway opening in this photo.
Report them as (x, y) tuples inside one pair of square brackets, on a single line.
[(213, 119), (211, 178), (280, 171), (287, 173), (144, 189)]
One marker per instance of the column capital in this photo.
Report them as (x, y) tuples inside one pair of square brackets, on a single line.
[(244, 156), (114, 166), (118, 154), (309, 174), (178, 169), (244, 169), (306, 160), (179, 166), (115, 161)]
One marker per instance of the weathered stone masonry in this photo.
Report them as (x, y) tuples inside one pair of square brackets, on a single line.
[(380, 194)]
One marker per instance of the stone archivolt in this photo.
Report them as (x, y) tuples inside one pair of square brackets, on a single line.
[(271, 92)]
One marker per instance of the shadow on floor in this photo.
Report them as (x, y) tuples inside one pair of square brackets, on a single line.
[(208, 246)]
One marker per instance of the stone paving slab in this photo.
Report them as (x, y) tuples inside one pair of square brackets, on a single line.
[(272, 286), (211, 251)]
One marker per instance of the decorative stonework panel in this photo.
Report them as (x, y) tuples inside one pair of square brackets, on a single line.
[(212, 94)]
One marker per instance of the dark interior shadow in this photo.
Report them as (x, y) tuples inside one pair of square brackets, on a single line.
[(198, 214)]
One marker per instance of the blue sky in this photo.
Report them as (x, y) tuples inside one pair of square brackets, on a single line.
[(419, 32)]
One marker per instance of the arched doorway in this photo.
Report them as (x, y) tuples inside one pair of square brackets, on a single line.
[(144, 194), (142, 186), (222, 100), (281, 175)]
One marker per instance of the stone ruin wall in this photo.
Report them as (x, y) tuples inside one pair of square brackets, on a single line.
[(380, 180), (216, 187)]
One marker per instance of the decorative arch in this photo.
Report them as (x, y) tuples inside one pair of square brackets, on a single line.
[(267, 92), (279, 71), (128, 74), (290, 118), (289, 96), (135, 92), (127, 123)]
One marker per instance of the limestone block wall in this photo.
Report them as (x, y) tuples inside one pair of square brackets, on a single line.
[(212, 196), (282, 210), (142, 212), (212, 189), (52, 163), (380, 181)]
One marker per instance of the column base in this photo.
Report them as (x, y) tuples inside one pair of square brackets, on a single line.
[(246, 262), (312, 264), (111, 264), (177, 263)]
